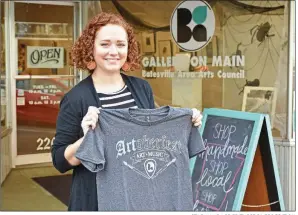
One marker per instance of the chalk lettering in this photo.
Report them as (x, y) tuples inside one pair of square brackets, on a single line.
[(208, 180), (218, 152), (208, 197), (219, 167), (223, 131)]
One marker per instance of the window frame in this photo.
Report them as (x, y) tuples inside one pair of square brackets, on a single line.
[(7, 128)]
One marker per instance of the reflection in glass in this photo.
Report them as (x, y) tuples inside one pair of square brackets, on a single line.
[(38, 103)]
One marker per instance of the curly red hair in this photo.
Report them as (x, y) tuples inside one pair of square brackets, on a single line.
[(82, 50)]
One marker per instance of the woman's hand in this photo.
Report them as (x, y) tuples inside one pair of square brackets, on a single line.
[(196, 117), (90, 119)]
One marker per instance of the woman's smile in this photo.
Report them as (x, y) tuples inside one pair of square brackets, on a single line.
[(112, 60)]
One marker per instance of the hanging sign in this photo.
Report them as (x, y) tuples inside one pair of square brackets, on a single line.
[(45, 57)]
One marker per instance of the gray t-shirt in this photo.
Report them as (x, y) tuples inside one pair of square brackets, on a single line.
[(141, 157)]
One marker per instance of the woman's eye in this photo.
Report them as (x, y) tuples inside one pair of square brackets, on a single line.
[(121, 45), (104, 44)]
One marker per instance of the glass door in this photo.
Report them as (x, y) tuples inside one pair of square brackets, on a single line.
[(44, 34)]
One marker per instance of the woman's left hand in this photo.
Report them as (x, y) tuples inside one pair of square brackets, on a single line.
[(196, 117)]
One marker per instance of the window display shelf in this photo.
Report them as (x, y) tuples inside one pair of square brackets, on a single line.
[(35, 37), (43, 30)]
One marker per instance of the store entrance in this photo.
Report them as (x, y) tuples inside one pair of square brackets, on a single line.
[(44, 34)]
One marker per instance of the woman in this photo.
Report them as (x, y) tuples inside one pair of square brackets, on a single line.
[(106, 46)]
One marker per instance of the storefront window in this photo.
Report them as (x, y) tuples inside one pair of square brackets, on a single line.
[(262, 39), (3, 69), (89, 10), (37, 30), (256, 32), (44, 35)]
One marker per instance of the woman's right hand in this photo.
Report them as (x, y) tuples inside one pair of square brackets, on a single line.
[(90, 119)]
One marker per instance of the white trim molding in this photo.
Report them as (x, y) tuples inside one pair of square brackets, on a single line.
[(33, 159)]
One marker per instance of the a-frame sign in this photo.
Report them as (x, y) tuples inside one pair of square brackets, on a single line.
[(238, 171)]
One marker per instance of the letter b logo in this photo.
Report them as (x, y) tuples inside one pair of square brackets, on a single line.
[(192, 25)]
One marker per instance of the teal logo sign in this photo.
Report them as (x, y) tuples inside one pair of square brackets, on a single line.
[(192, 25)]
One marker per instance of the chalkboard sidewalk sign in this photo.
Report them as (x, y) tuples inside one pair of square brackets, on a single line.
[(238, 171)]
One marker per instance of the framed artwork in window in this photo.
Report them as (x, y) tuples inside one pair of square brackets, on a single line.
[(148, 42), (260, 100)]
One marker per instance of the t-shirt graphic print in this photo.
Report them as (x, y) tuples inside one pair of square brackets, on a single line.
[(141, 157)]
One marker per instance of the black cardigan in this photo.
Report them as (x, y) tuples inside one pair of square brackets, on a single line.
[(73, 107)]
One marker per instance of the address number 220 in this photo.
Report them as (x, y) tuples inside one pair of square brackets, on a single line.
[(44, 143)]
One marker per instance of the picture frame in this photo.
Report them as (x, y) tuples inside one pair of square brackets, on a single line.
[(165, 48), (210, 50), (139, 42), (260, 100), (184, 63), (148, 42)]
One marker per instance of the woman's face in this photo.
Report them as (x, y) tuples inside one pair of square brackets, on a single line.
[(110, 48)]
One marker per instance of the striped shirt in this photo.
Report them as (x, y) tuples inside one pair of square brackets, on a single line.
[(117, 100)]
